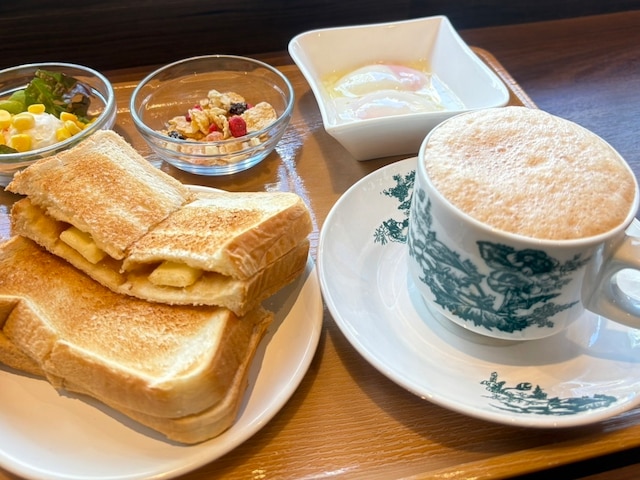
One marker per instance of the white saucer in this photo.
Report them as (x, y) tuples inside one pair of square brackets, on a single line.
[(583, 375), (45, 435)]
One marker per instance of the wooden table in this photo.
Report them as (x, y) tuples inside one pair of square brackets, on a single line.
[(347, 420)]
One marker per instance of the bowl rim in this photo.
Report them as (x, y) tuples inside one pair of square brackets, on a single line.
[(373, 25), (146, 130), (110, 104)]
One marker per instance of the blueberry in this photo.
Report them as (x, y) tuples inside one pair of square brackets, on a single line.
[(174, 134), (237, 108)]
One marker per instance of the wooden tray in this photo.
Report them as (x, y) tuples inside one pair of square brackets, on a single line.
[(347, 420)]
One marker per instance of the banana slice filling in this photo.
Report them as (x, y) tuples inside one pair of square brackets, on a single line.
[(167, 274), (83, 243), (174, 274)]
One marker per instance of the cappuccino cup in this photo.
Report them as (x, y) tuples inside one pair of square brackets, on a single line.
[(518, 224)]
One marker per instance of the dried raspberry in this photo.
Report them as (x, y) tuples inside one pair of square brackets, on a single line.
[(214, 137), (188, 115), (213, 128), (237, 126)]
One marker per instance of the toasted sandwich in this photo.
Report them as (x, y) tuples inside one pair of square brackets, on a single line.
[(230, 249), (227, 249), (181, 370)]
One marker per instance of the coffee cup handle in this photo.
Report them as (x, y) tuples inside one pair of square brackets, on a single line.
[(605, 296)]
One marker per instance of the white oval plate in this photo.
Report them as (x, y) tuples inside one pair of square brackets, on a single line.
[(44, 435), (583, 375)]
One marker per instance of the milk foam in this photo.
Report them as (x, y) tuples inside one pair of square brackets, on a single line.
[(527, 172)]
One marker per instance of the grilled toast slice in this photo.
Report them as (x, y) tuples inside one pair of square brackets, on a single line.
[(105, 188), (158, 360)]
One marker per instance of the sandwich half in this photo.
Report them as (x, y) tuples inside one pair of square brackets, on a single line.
[(104, 188), (181, 370), (226, 249)]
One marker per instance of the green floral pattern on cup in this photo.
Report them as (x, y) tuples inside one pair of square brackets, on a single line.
[(517, 293)]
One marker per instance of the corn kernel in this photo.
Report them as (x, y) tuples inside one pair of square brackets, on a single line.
[(23, 121), (64, 116), (21, 142), (5, 119), (72, 127), (62, 134), (36, 108)]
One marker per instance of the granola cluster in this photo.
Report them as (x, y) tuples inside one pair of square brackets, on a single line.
[(221, 116)]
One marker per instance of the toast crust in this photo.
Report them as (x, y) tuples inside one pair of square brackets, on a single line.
[(10, 354)]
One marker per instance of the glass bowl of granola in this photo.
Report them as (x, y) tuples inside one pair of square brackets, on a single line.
[(46, 108), (214, 114)]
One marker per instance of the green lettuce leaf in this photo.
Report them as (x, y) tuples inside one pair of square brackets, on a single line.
[(59, 93)]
